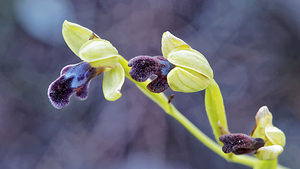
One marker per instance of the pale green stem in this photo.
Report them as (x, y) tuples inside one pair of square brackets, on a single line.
[(161, 100), (270, 164)]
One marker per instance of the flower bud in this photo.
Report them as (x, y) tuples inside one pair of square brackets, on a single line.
[(192, 72), (273, 136), (265, 129), (269, 152), (76, 35), (99, 53)]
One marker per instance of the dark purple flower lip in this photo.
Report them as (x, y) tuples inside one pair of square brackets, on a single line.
[(73, 79), (240, 143), (144, 67)]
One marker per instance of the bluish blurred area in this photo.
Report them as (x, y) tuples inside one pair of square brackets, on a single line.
[(252, 46)]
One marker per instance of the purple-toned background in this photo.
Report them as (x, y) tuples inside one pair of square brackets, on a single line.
[(252, 46)]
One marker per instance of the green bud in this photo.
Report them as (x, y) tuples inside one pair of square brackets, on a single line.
[(273, 136), (269, 152), (192, 72), (264, 128)]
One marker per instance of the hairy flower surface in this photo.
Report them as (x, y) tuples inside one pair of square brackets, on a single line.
[(73, 79), (145, 66), (181, 67), (240, 143)]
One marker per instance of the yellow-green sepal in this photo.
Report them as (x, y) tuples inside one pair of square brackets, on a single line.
[(215, 109), (182, 80), (190, 59), (99, 53), (112, 83), (76, 35), (263, 118), (170, 42)]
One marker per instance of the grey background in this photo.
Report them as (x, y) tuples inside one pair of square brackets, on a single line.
[(252, 46)]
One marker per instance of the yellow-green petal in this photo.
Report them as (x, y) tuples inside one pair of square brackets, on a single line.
[(112, 83), (170, 42), (269, 152), (190, 59), (275, 136), (75, 35), (186, 81), (99, 53)]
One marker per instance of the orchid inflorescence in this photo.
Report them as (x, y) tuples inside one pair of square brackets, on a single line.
[(181, 68)]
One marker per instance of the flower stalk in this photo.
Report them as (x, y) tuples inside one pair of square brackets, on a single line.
[(271, 164), (161, 100)]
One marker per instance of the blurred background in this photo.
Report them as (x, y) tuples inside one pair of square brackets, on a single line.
[(252, 46)]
